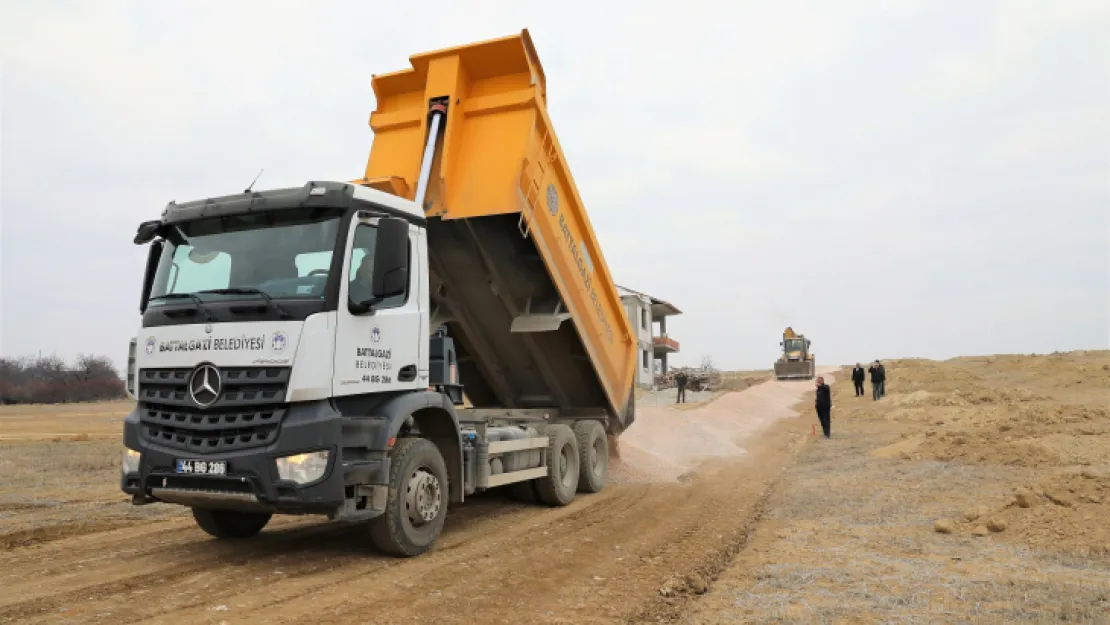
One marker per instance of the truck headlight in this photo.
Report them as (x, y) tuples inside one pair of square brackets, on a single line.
[(303, 468), (130, 461)]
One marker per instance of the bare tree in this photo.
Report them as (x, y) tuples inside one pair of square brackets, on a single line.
[(707, 363), (47, 380)]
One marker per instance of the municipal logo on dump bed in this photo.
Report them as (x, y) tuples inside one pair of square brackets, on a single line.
[(552, 200)]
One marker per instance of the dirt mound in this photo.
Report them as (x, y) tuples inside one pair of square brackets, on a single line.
[(1064, 512), (1006, 410), (987, 449), (1061, 370), (1029, 435), (976, 395), (1049, 415)]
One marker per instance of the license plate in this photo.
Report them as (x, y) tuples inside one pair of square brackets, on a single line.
[(202, 467)]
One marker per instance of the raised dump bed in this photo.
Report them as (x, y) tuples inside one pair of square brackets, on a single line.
[(517, 272)]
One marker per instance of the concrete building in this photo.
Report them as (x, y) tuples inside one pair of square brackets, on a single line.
[(649, 316)]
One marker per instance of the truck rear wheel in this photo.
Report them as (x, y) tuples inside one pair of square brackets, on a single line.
[(593, 456), (416, 506), (557, 488), (230, 524)]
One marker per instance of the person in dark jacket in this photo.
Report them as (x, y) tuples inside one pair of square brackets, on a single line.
[(680, 382), (823, 403), (882, 379), (877, 374), (858, 376)]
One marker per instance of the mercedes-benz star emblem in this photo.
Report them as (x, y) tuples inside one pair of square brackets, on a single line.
[(204, 385)]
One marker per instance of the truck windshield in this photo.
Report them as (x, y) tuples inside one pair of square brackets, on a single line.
[(284, 254)]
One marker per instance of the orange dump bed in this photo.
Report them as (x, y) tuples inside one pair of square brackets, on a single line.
[(518, 275)]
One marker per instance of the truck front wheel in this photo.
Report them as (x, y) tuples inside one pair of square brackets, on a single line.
[(557, 488), (416, 506), (230, 523)]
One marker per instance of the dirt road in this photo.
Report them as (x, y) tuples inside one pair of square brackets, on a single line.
[(635, 552)]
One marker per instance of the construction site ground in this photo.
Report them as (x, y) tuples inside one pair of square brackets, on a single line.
[(977, 490)]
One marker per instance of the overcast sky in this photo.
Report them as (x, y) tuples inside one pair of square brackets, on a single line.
[(891, 178)]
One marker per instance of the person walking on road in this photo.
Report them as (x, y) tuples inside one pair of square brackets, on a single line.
[(858, 376), (876, 380), (823, 403), (680, 383)]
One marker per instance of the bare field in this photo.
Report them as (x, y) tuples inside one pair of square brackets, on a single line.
[(100, 420), (976, 491), (73, 550)]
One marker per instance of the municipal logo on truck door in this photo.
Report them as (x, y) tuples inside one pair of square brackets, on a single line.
[(375, 334)]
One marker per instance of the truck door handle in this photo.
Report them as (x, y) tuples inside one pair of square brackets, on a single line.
[(407, 373)]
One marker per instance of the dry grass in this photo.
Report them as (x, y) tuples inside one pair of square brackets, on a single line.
[(849, 535)]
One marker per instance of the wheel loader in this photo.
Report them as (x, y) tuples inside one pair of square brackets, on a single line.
[(796, 360)]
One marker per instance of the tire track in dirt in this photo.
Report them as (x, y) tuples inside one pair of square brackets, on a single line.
[(546, 548), (184, 573), (50, 533), (669, 605), (329, 592), (80, 584), (131, 539), (156, 563)]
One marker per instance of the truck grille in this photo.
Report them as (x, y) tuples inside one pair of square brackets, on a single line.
[(247, 414)]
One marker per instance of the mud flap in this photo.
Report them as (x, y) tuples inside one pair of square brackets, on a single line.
[(616, 424), (614, 446)]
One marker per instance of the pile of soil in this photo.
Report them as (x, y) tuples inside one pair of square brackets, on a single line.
[(1066, 511), (1049, 415)]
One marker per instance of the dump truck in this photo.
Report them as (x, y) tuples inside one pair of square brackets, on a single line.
[(307, 350), (796, 361)]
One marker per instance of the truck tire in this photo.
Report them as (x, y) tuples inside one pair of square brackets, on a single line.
[(557, 488), (230, 524), (416, 505), (593, 456)]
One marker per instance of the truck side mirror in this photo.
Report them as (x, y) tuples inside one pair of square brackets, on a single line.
[(391, 258), (146, 232), (152, 257)]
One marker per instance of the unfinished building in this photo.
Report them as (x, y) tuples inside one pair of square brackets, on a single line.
[(648, 316)]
